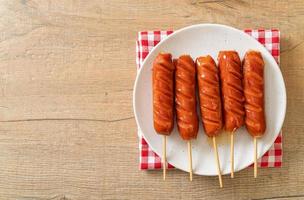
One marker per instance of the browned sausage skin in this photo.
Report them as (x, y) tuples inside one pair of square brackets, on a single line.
[(185, 97), (163, 93), (209, 95), (253, 66), (232, 89)]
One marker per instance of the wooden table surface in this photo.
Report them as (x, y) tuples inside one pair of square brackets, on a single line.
[(67, 128)]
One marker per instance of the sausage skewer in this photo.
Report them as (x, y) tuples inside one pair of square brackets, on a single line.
[(255, 153), (253, 65), (232, 154), (217, 161), (185, 101), (232, 92), (163, 99), (210, 101), (190, 159), (164, 160)]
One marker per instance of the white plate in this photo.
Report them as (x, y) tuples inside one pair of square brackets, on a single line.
[(199, 40)]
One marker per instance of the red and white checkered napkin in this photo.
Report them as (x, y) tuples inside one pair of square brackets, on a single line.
[(145, 43)]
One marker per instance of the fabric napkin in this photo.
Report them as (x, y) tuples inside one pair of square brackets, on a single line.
[(146, 40)]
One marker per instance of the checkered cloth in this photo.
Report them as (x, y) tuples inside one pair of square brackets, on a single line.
[(145, 43)]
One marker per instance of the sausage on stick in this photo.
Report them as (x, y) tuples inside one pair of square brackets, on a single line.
[(163, 98), (185, 102), (210, 101), (232, 92), (253, 67)]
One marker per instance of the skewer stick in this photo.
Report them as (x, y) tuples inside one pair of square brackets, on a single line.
[(190, 159), (164, 157), (217, 162), (255, 157), (232, 153)]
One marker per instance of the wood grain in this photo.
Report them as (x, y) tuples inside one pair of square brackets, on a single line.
[(67, 68)]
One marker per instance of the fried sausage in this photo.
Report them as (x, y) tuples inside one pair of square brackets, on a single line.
[(163, 93), (232, 89), (253, 66), (209, 95), (185, 97)]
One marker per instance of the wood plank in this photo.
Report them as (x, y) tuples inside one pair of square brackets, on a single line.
[(67, 129)]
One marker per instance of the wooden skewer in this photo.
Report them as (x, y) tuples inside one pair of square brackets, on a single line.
[(217, 162), (255, 157), (232, 153), (190, 159), (164, 157)]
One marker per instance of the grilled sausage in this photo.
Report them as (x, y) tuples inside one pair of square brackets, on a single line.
[(209, 95), (232, 89), (163, 93), (253, 66), (185, 97)]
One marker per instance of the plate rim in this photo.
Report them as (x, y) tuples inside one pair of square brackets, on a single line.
[(214, 25)]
